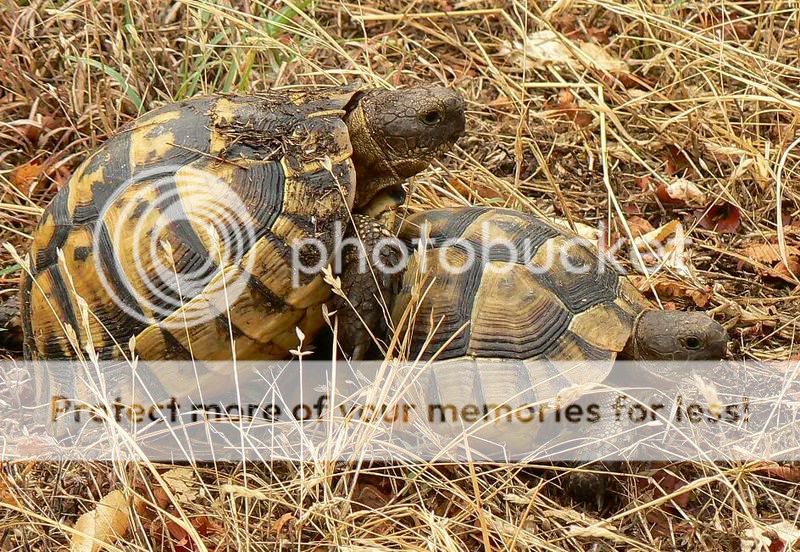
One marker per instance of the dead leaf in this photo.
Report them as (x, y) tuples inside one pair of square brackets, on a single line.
[(180, 537), (543, 47), (601, 59), (25, 175), (767, 261), (680, 192), (207, 526), (676, 160), (183, 484), (639, 226), (6, 494), (663, 247), (727, 26), (181, 542), (643, 183), (666, 287), (283, 521), (766, 253), (585, 231), (105, 524), (666, 483), (502, 102), (371, 497), (37, 126), (787, 473), (788, 273), (474, 190), (778, 537), (566, 104), (547, 47), (724, 218)]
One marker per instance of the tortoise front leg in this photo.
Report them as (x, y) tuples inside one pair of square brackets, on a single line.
[(369, 276)]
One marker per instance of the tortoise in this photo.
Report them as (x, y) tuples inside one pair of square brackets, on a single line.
[(144, 244), (516, 309)]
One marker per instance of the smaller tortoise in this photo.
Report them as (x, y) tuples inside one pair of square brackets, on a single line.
[(550, 296), (546, 308)]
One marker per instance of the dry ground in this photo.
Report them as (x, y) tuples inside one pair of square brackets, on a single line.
[(633, 113)]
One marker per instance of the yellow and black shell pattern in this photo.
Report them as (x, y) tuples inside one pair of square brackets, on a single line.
[(127, 249), (516, 302)]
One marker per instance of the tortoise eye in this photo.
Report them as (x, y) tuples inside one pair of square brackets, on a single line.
[(693, 343), (431, 117)]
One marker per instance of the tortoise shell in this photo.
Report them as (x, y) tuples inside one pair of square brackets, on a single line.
[(502, 286), (138, 255)]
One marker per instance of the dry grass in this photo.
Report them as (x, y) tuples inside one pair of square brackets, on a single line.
[(710, 92)]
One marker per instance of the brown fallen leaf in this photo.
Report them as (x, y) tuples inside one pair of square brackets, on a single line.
[(6, 494), (670, 288), (665, 246), (766, 253), (664, 483), (107, 523), (181, 540), (602, 59), (727, 27), (778, 537), (789, 273), (567, 104), (183, 485), (786, 473), (768, 261), (542, 48), (639, 226), (25, 175), (676, 160), (475, 190), (680, 192), (643, 182), (724, 218), (370, 497), (37, 126), (180, 537), (286, 521), (502, 102)]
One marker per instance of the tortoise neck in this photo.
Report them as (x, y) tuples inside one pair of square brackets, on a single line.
[(632, 350), (373, 172)]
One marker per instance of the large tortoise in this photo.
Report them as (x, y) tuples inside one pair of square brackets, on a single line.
[(517, 310), (179, 231)]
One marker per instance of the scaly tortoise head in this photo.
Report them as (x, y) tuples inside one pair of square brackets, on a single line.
[(396, 133), (674, 335)]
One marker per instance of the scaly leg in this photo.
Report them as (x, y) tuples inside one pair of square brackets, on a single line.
[(369, 278)]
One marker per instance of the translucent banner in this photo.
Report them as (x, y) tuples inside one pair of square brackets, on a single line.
[(399, 411)]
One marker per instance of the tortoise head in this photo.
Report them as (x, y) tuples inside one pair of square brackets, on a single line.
[(397, 133), (674, 335)]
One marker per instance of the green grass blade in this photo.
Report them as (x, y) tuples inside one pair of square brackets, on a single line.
[(129, 91)]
